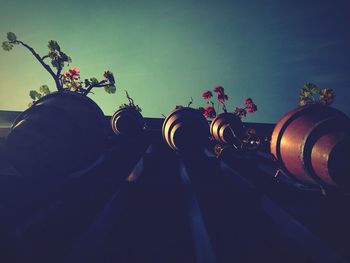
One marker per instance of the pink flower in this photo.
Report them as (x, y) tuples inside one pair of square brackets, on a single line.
[(207, 94), (252, 108), (219, 90), (248, 101), (72, 73), (222, 97), (209, 112)]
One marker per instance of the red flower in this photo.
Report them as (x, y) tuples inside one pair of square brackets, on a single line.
[(207, 94), (252, 108), (248, 101), (222, 97), (209, 112), (72, 73), (219, 90)]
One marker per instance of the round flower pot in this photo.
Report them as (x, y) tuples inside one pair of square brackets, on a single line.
[(186, 130), (61, 133), (312, 144), (226, 128), (127, 121)]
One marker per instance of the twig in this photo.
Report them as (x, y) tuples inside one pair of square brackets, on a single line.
[(41, 61)]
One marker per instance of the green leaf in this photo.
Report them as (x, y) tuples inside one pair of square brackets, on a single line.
[(44, 89), (305, 101), (93, 81), (302, 102), (86, 83), (54, 46), (304, 93), (53, 55), (110, 89), (61, 64), (109, 75), (34, 95), (65, 57), (310, 87), (11, 36), (7, 46), (55, 63)]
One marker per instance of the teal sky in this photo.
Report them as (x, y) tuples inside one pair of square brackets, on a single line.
[(164, 52)]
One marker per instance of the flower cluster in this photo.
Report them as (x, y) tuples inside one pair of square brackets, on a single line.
[(221, 97), (310, 94), (250, 107), (71, 79), (72, 74)]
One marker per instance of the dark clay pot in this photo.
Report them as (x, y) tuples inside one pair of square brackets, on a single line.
[(61, 133), (226, 127), (127, 121), (312, 144), (186, 130)]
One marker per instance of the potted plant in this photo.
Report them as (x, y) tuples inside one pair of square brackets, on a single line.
[(186, 130), (227, 127), (63, 131), (127, 120), (311, 143)]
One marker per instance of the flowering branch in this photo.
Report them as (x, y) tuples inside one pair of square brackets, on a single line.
[(12, 40), (131, 103), (71, 78)]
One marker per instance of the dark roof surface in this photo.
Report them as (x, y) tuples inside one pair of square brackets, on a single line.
[(142, 202)]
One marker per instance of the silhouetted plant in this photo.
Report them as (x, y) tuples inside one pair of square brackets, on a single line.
[(311, 94), (70, 80), (131, 103)]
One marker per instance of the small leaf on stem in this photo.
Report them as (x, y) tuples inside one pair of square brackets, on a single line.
[(7, 46), (11, 36), (110, 89), (44, 89)]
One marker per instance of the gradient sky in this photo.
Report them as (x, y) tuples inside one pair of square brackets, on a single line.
[(164, 52)]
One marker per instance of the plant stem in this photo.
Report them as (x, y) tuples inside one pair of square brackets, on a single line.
[(41, 61), (98, 85)]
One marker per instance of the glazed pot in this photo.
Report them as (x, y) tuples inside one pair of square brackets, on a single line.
[(312, 144), (186, 130), (61, 133), (227, 128), (127, 121)]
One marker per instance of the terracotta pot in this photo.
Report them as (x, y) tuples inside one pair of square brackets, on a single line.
[(312, 144), (186, 130), (127, 121), (226, 127), (61, 133)]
